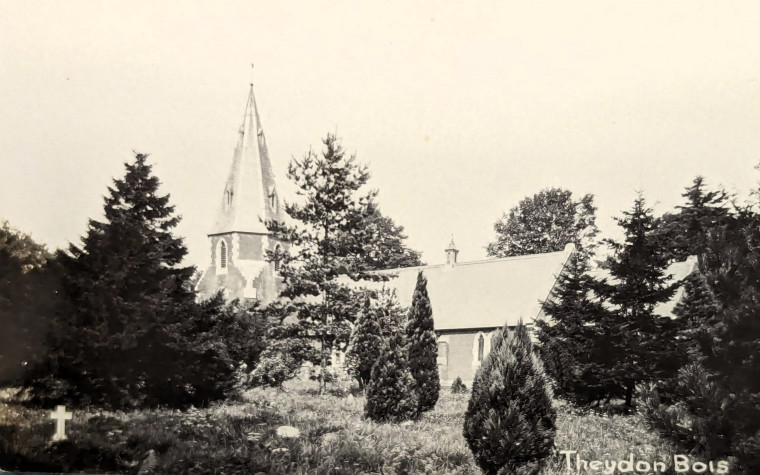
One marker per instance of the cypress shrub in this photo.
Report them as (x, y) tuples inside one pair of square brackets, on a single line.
[(458, 387), (365, 345), (422, 345), (510, 423), (391, 395)]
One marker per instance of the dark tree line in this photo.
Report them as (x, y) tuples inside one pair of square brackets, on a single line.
[(115, 321), (694, 375), (127, 330)]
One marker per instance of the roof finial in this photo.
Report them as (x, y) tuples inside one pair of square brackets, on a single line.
[(251, 74)]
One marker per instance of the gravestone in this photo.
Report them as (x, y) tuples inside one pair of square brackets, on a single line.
[(61, 416)]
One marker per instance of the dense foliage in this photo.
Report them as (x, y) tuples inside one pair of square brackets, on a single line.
[(28, 296), (318, 306), (685, 232), (458, 387), (422, 346), (712, 407), (391, 393), (604, 335), (640, 345), (365, 345), (128, 331), (545, 222), (380, 317), (510, 422), (574, 338), (383, 244)]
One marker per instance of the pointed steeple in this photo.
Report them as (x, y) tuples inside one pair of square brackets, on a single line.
[(250, 195)]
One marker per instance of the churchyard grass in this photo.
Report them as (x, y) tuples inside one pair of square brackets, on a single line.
[(239, 437)]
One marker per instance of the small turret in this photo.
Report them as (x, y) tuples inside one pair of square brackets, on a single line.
[(451, 253)]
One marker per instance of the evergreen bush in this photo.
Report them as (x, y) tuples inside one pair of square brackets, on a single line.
[(422, 345), (391, 394), (711, 408), (366, 343), (458, 387), (510, 422), (272, 370), (128, 331)]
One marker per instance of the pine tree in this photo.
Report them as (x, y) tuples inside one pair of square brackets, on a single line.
[(318, 307), (642, 344), (697, 314), (391, 394), (685, 233), (545, 222), (423, 346), (383, 244), (732, 355), (510, 422), (711, 408), (574, 351)]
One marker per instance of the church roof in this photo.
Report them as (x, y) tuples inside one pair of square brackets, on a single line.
[(250, 195), (483, 294), (492, 292)]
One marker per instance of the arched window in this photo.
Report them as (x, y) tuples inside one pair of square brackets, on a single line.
[(481, 347), (222, 254)]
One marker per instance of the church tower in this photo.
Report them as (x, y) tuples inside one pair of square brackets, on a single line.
[(239, 239)]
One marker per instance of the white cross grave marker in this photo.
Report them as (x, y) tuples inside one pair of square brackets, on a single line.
[(61, 417)]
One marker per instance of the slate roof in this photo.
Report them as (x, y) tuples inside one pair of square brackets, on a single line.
[(250, 195), (483, 294)]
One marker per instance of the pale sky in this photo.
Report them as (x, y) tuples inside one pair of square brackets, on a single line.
[(460, 109)]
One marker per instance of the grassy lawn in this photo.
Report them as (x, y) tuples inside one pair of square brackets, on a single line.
[(240, 437)]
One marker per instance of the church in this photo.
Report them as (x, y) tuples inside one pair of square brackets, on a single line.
[(471, 301)]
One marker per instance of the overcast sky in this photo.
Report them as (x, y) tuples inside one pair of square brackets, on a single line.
[(460, 109)]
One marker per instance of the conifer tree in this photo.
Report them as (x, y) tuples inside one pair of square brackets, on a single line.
[(422, 346), (123, 285), (642, 345), (129, 332), (574, 351), (711, 408), (366, 343), (697, 314), (317, 306), (380, 318), (391, 394), (383, 244), (685, 233), (510, 422)]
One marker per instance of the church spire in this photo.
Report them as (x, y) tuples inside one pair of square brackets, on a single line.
[(250, 196)]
